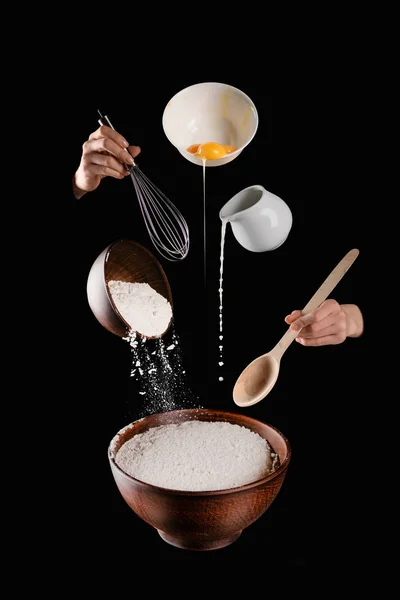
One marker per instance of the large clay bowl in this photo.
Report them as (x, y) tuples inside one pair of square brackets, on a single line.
[(200, 520)]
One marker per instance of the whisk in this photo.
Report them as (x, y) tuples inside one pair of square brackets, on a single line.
[(165, 224)]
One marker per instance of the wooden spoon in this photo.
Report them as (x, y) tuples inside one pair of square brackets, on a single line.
[(123, 260), (259, 377)]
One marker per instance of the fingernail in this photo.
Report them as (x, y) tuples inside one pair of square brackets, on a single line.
[(130, 159), (125, 143), (300, 340), (294, 327)]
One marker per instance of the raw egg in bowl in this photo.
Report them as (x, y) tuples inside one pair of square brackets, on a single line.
[(210, 123)]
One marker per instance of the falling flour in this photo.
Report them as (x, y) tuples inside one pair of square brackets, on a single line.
[(157, 364), (158, 368), (144, 309), (197, 456)]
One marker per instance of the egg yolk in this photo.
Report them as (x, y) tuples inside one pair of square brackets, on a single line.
[(193, 148), (210, 150)]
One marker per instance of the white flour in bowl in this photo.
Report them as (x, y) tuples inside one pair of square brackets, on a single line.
[(197, 456), (144, 309)]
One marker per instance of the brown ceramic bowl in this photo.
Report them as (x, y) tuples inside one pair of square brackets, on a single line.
[(200, 520), (123, 260)]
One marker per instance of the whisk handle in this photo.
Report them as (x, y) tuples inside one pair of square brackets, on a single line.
[(104, 120)]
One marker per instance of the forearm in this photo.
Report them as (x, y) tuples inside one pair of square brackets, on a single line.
[(354, 320), (77, 191)]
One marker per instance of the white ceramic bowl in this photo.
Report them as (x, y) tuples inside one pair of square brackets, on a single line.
[(210, 112)]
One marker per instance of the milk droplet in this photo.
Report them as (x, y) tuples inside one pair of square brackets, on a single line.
[(220, 378)]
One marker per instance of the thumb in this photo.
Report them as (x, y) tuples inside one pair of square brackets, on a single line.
[(295, 314), (134, 151), (302, 321)]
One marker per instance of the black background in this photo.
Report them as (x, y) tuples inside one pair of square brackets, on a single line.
[(311, 149)]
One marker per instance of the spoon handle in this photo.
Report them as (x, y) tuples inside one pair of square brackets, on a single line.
[(320, 295)]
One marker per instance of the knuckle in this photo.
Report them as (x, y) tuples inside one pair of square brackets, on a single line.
[(124, 156), (339, 338), (330, 302)]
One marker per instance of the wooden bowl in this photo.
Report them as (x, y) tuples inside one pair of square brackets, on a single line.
[(123, 260), (200, 520)]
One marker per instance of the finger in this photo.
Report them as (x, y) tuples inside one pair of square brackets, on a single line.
[(327, 340), (302, 321), (104, 171), (295, 314), (317, 327), (107, 132), (134, 150), (105, 144), (108, 161), (309, 332), (326, 308)]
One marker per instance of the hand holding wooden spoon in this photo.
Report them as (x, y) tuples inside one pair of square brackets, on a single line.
[(331, 323)]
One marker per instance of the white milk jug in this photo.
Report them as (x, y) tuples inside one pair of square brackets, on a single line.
[(260, 220)]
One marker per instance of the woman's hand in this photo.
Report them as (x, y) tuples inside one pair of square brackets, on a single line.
[(103, 155), (330, 323)]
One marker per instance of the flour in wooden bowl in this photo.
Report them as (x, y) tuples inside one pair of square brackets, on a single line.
[(197, 456), (145, 310)]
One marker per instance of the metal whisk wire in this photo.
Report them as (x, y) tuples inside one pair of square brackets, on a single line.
[(165, 224)]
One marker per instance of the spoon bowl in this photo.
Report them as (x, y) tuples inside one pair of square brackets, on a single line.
[(129, 261), (257, 380), (259, 377)]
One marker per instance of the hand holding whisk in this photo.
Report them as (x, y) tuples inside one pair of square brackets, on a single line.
[(165, 224)]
